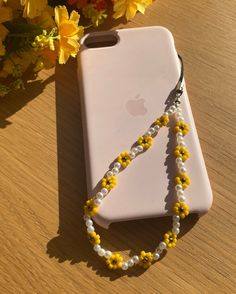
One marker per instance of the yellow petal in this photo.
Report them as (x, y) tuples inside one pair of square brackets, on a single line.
[(61, 14), (74, 16), (131, 11)]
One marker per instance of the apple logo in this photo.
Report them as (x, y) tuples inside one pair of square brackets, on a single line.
[(136, 106)]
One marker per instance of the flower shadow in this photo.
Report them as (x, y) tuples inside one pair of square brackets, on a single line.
[(70, 243)]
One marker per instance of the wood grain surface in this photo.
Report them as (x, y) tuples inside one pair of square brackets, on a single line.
[(43, 243)]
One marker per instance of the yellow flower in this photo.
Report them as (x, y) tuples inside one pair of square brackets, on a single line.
[(94, 238), (97, 16), (90, 208), (162, 121), (183, 180), (109, 182), (181, 152), (33, 8), (5, 15), (181, 209), (45, 19), (129, 8), (69, 33), (115, 261), (124, 158), (170, 239), (145, 259), (145, 141), (182, 127)]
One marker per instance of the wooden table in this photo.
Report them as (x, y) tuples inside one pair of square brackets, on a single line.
[(43, 244)]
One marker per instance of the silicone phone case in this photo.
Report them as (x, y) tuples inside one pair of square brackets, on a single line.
[(124, 88)]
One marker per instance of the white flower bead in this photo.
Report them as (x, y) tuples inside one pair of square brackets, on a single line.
[(124, 266), (178, 160), (90, 229), (165, 113), (180, 118), (175, 231), (104, 191), (117, 165), (157, 128), (140, 148), (135, 259), (183, 170), (109, 173), (176, 225), (89, 223), (170, 111), (86, 217), (132, 155), (97, 202), (130, 262), (108, 254), (99, 195), (179, 134), (156, 256), (182, 144), (178, 187), (152, 130), (134, 150), (176, 217), (148, 133), (162, 245), (101, 252), (182, 198), (180, 139), (96, 247), (180, 192), (115, 170)]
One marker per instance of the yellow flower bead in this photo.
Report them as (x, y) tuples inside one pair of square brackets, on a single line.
[(181, 209), (181, 127), (124, 159), (145, 259), (145, 141), (90, 207), (182, 152), (115, 261), (109, 182), (94, 238), (170, 239), (183, 180), (162, 121)]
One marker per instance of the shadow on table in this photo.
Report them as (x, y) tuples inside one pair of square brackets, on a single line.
[(71, 243)]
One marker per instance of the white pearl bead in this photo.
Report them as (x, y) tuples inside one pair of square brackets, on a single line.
[(89, 223), (175, 231), (176, 225), (162, 245), (130, 262), (182, 198), (101, 252), (170, 111), (180, 118), (156, 256), (173, 108), (157, 128), (90, 229), (96, 247), (179, 159), (180, 139), (99, 195), (124, 266), (140, 148), (182, 144), (108, 254), (178, 187), (179, 109), (179, 134), (135, 259), (180, 192), (152, 130), (183, 170), (104, 191), (176, 217), (109, 173), (181, 164), (165, 113), (97, 202), (134, 150), (159, 251), (115, 170), (86, 217), (132, 155), (117, 165), (148, 133)]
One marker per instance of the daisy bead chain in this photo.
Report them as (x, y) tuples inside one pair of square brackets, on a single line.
[(115, 261)]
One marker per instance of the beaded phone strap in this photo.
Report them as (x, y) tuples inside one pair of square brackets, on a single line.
[(180, 208)]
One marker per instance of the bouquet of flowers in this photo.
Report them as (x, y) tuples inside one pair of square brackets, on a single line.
[(36, 34)]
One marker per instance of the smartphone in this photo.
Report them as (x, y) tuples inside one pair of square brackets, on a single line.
[(126, 77)]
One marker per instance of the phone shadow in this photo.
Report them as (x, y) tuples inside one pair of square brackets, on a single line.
[(71, 243)]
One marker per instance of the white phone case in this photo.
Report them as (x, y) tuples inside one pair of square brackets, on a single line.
[(124, 88)]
